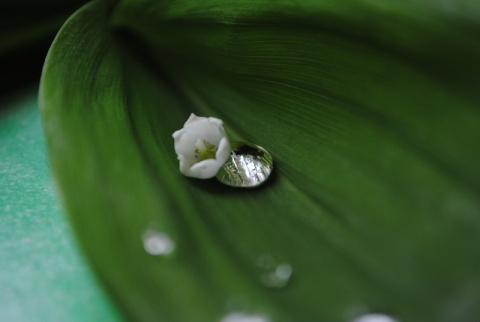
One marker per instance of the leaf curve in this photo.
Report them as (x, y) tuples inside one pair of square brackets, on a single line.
[(374, 202)]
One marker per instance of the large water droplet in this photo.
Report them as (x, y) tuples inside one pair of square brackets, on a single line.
[(273, 275), (249, 165), (157, 243), (244, 317), (374, 317)]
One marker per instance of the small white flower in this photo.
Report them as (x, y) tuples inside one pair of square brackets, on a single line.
[(202, 147)]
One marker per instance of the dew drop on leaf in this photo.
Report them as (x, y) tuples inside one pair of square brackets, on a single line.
[(278, 277), (157, 243), (249, 166), (374, 317), (244, 317), (273, 275)]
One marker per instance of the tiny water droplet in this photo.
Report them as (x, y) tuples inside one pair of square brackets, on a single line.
[(273, 275), (277, 278), (249, 166), (244, 317), (157, 243), (374, 317)]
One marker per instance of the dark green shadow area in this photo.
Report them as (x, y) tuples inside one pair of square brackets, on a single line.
[(43, 276)]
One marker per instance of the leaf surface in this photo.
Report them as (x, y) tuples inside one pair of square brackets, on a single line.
[(370, 111)]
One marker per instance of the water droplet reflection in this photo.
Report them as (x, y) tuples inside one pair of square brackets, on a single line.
[(243, 317), (249, 166), (273, 275), (158, 243), (374, 317)]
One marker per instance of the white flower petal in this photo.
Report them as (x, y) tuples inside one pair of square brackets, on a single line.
[(193, 118), (202, 146), (223, 151), (205, 169)]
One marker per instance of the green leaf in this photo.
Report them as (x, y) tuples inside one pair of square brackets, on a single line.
[(371, 114)]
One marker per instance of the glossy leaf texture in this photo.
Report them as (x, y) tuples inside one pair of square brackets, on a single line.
[(370, 110)]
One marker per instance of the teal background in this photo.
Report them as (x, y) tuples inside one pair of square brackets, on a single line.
[(43, 276)]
